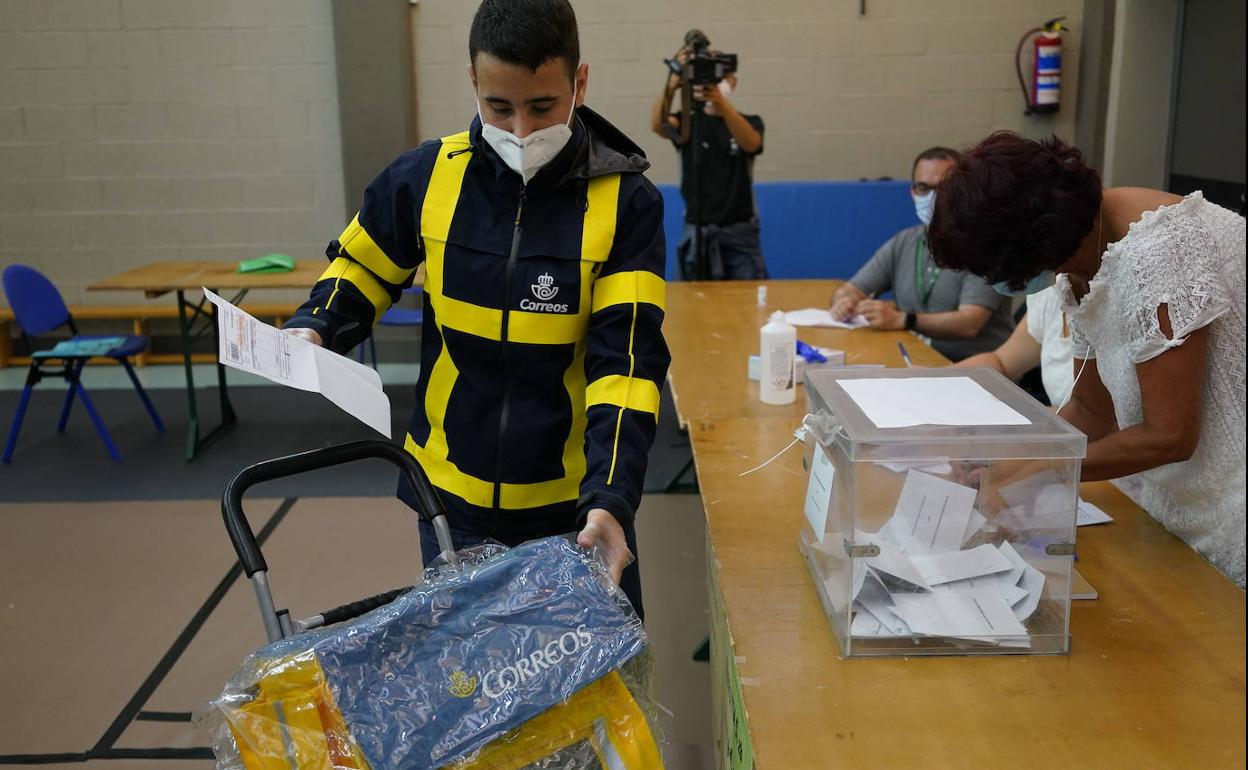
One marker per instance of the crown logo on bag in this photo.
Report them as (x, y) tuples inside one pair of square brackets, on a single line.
[(462, 685)]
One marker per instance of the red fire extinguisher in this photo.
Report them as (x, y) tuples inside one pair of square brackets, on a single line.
[(1044, 95)]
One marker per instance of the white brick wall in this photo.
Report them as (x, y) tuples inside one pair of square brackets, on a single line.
[(137, 130), (843, 96)]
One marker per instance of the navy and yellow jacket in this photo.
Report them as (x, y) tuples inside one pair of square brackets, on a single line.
[(542, 355)]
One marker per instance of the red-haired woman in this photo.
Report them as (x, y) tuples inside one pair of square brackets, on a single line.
[(1153, 287)]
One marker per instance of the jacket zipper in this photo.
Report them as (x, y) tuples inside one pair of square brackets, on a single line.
[(503, 413)]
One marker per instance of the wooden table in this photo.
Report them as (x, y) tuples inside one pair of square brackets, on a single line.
[(1155, 677), (159, 278)]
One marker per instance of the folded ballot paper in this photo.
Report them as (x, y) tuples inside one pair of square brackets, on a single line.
[(925, 581), (253, 346)]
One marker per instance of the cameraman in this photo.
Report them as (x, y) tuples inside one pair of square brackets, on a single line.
[(721, 198)]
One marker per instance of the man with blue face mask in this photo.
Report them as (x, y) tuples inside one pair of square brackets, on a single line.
[(960, 313), (541, 352)]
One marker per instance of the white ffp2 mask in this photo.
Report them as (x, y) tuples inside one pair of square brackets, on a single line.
[(527, 156)]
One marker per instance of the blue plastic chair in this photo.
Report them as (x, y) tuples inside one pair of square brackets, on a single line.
[(39, 309), (395, 316)]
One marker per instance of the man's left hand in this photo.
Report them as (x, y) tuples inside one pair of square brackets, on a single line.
[(602, 530), (711, 95), (882, 315)]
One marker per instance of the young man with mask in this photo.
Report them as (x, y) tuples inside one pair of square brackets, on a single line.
[(961, 314), (724, 171), (541, 354)]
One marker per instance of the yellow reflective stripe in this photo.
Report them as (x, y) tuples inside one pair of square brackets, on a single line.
[(628, 287), (343, 269), (516, 496), (619, 417), (631, 393), (545, 328), (363, 249), (468, 318), (574, 446), (444, 474), (598, 230), (441, 198)]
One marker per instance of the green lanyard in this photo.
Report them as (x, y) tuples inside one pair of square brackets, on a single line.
[(925, 277)]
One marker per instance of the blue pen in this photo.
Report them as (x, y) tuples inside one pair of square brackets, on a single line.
[(810, 354), (904, 355)]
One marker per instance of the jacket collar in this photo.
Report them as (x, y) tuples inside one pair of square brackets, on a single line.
[(597, 148)]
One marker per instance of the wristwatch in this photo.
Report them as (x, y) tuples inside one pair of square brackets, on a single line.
[(912, 320)]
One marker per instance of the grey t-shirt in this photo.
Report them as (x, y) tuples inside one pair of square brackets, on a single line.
[(898, 265)]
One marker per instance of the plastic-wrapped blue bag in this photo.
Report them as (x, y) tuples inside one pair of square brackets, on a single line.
[(439, 673)]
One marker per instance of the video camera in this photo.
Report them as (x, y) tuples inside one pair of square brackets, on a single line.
[(702, 68)]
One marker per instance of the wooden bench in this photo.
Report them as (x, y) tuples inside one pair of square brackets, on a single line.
[(139, 316)]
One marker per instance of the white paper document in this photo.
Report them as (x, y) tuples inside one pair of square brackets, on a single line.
[(953, 566), (1031, 580), (1089, 514), (815, 316), (253, 346), (891, 561), (972, 614), (902, 403), (819, 491), (927, 466), (932, 514)]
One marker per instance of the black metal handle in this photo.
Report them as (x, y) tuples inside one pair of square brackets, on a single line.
[(232, 500), (357, 608)]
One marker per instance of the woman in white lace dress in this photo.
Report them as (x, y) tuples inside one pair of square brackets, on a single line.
[(1153, 287)]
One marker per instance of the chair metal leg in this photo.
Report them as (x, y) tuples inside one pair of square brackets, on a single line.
[(73, 369), (147, 402), (16, 428), (372, 348), (99, 424)]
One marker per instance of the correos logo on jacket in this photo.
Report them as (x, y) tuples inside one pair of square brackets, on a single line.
[(498, 683), (545, 290)]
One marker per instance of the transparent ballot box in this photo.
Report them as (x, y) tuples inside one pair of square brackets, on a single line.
[(940, 512)]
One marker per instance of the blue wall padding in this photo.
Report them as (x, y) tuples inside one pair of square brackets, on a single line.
[(821, 229)]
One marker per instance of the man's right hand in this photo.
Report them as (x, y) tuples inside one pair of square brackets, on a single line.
[(311, 335)]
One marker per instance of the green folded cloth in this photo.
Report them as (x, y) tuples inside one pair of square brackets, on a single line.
[(269, 263), (94, 346)]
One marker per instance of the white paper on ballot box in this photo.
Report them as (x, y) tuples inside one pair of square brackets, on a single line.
[(902, 403), (253, 346)]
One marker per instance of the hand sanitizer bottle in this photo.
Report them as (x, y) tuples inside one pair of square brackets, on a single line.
[(777, 347)]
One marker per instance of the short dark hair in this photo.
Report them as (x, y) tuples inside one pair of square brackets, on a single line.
[(934, 153), (526, 32), (1013, 207)]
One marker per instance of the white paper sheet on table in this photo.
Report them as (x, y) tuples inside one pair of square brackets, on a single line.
[(902, 403), (814, 316), (253, 346)]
